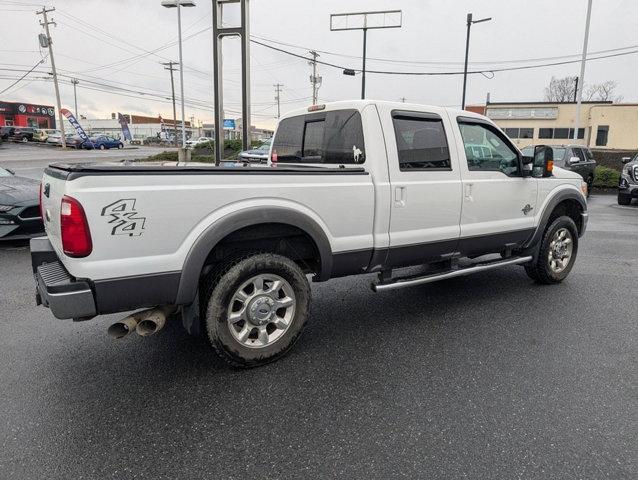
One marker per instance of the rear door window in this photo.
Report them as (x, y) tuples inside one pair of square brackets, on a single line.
[(421, 143), (334, 137)]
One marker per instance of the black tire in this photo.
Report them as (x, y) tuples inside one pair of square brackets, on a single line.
[(120, 146), (540, 270), (590, 184), (102, 147), (25, 139), (624, 199), (219, 295)]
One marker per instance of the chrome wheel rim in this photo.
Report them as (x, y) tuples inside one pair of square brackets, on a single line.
[(561, 249), (261, 310)]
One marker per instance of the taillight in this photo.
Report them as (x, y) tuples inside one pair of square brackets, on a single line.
[(74, 229), (273, 158)]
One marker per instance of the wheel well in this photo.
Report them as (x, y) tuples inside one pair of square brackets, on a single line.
[(283, 239), (571, 208)]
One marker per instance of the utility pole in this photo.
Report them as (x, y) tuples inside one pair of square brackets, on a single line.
[(277, 97), (316, 81), (402, 99), (576, 90), (169, 66), (46, 24), (470, 22), (75, 81)]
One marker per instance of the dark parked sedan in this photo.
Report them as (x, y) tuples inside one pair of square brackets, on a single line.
[(19, 207), (102, 142), (6, 132)]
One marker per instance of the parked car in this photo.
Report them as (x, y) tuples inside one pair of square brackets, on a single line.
[(6, 132), (194, 142), (19, 210), (628, 185), (23, 134), (257, 155), (576, 158), (74, 141), (42, 134), (103, 142), (359, 187), (54, 138)]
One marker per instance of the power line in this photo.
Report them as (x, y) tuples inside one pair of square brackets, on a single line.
[(23, 76)]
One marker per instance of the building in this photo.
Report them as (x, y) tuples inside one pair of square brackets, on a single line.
[(602, 125), (26, 115), (140, 126), (256, 134)]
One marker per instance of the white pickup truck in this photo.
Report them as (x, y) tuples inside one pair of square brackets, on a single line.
[(351, 188)]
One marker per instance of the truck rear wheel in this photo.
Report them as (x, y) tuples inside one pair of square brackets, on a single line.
[(557, 252), (257, 308)]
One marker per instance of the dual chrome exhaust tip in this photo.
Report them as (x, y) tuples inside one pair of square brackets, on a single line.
[(145, 323)]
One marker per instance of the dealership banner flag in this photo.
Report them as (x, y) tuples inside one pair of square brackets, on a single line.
[(124, 124), (73, 121)]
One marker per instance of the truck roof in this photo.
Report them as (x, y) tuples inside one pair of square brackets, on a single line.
[(360, 104)]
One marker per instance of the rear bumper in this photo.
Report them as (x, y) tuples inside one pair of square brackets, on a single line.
[(81, 299), (66, 296)]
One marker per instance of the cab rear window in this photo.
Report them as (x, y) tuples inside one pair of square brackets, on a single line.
[(334, 137)]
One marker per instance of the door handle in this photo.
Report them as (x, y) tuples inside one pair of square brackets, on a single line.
[(400, 196)]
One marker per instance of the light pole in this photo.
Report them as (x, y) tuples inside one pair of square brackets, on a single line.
[(177, 4), (365, 21), (75, 81), (581, 79), (467, 51)]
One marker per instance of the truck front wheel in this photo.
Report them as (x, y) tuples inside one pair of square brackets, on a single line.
[(257, 308), (557, 252)]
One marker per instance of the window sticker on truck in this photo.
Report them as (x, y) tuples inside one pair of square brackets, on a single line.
[(124, 218)]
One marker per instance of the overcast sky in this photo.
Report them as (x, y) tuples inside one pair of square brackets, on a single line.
[(107, 41)]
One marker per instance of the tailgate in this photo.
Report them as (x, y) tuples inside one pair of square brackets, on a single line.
[(53, 188)]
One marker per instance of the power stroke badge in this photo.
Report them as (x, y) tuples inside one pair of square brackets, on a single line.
[(124, 218)]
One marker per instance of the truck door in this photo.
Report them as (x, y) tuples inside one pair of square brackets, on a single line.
[(499, 204), (425, 184)]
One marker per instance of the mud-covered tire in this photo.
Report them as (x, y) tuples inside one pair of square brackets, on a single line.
[(542, 270), (224, 287)]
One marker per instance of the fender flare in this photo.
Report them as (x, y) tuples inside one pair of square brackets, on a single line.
[(562, 195), (217, 231)]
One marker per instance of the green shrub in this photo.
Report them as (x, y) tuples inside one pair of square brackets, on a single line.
[(606, 177)]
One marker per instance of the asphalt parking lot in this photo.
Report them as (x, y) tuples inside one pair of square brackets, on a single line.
[(29, 160), (487, 376)]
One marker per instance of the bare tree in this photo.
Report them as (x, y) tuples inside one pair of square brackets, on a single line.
[(561, 89), (564, 90), (606, 91)]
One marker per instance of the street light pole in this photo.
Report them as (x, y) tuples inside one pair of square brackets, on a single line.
[(75, 96), (181, 73), (179, 4), (363, 70), (581, 79), (467, 51)]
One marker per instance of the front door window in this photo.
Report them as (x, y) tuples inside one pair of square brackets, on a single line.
[(486, 149)]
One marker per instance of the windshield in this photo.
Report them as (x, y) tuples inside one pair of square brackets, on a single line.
[(264, 147)]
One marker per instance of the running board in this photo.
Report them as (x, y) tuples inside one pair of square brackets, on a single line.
[(481, 267)]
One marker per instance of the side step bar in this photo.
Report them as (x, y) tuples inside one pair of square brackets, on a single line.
[(481, 267)]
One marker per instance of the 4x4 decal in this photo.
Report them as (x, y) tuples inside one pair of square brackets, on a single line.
[(124, 218)]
